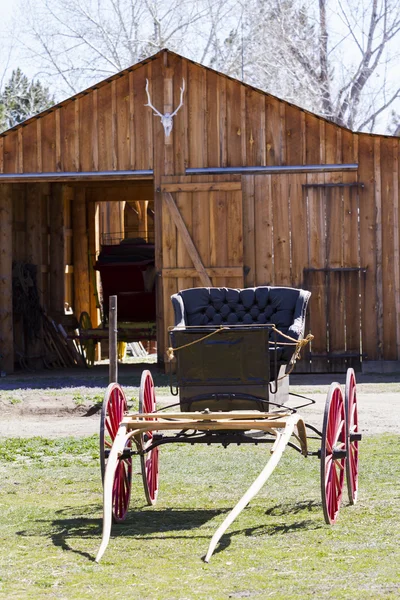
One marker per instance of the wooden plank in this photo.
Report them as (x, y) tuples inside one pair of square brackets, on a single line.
[(80, 250), (368, 246), (33, 249), (223, 128), (316, 281), (20, 151), (130, 191), (255, 128), (48, 131), (88, 132), (19, 222), (168, 101), (396, 240), (264, 241), (219, 233), (77, 106), (93, 139), (68, 137), (61, 195), (201, 187), (114, 126), (379, 256), (331, 143), (322, 145), (389, 259), (180, 128), (6, 309), (351, 259), (33, 237), (183, 232), (249, 231), (234, 272), (44, 193), (29, 151), (10, 161), (213, 119), (293, 135), (201, 225), (1, 154), (154, 73), (197, 98), (105, 128), (145, 123), (39, 146), (131, 130), (298, 213), (281, 229), (234, 234), (234, 123), (93, 213), (312, 140), (59, 165), (273, 131), (282, 119), (183, 259)]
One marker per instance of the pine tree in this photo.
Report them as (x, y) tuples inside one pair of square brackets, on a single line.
[(22, 99)]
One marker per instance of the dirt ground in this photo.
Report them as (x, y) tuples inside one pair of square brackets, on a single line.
[(68, 402)]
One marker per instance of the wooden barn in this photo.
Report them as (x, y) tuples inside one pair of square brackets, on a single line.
[(245, 190)]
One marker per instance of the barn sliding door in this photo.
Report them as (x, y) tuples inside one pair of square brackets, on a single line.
[(202, 234)]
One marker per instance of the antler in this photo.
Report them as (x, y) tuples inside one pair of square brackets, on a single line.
[(158, 114), (181, 100)]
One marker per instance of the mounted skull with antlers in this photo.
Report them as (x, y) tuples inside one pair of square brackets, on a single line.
[(166, 119)]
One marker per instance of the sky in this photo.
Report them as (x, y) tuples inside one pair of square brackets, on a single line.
[(9, 8)]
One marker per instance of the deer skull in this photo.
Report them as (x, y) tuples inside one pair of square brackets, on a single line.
[(166, 119)]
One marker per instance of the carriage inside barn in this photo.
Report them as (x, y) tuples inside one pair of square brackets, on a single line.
[(245, 190)]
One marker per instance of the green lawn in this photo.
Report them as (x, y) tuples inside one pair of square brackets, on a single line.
[(279, 547)]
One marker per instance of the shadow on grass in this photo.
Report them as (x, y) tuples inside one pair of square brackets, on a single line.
[(140, 524), (146, 524), (286, 508), (266, 531), (276, 529)]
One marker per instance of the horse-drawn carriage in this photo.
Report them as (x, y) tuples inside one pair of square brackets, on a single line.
[(127, 271), (234, 350)]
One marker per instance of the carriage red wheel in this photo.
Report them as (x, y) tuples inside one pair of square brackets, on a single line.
[(352, 436), (333, 453), (149, 461), (114, 407)]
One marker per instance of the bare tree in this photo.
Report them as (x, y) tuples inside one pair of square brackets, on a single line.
[(333, 57), (336, 58), (80, 41)]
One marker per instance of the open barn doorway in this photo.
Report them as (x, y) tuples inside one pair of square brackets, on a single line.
[(121, 262)]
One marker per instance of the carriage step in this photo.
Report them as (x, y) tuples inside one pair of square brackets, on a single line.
[(355, 437)]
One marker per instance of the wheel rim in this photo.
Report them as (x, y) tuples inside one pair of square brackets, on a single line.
[(114, 407), (149, 461), (333, 443), (352, 429), (87, 346)]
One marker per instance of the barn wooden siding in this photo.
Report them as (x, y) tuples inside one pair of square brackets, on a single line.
[(335, 232)]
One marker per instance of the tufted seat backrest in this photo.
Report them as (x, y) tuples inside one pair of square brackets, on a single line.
[(284, 307)]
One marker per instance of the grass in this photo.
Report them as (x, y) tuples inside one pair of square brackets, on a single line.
[(279, 547)]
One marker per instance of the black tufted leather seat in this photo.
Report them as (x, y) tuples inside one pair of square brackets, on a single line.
[(284, 307), (234, 370)]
